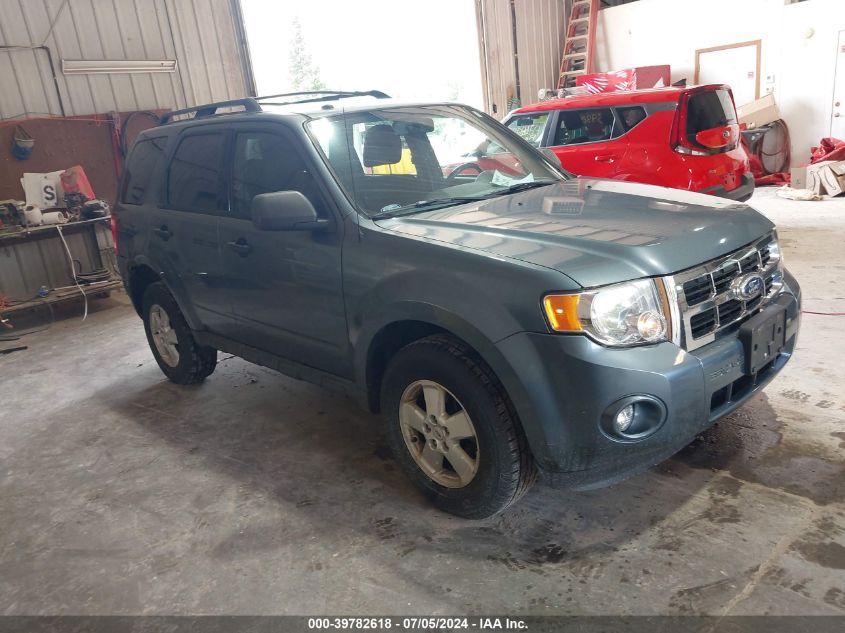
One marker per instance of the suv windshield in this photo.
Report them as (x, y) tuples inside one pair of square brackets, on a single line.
[(407, 159)]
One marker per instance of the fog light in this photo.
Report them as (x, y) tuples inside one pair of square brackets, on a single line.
[(651, 325), (623, 419)]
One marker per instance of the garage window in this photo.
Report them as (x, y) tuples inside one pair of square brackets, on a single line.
[(194, 183), (143, 162)]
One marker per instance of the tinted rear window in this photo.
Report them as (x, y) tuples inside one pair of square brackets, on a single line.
[(194, 179), (140, 167), (584, 126), (630, 116), (706, 110)]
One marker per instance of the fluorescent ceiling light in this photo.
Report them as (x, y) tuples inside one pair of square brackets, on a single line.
[(104, 66)]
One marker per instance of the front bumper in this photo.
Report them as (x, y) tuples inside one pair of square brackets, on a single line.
[(570, 381), (741, 193)]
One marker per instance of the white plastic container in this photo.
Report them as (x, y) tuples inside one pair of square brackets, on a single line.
[(32, 214), (54, 217)]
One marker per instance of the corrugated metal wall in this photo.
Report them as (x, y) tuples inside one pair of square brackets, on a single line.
[(521, 39), (203, 36)]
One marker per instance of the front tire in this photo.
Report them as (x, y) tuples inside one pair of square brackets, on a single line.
[(453, 430), (180, 357)]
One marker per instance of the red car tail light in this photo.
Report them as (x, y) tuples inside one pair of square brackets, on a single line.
[(689, 134), (719, 137)]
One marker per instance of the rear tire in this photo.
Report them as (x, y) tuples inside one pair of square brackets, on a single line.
[(453, 430), (180, 357)]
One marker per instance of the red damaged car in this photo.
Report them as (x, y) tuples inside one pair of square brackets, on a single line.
[(684, 138)]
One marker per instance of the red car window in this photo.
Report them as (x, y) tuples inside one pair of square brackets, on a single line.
[(631, 116), (708, 110), (529, 126), (584, 126)]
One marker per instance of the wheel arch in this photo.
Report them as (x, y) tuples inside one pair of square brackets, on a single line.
[(140, 277), (380, 343)]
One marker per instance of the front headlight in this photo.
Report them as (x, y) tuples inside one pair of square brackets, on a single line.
[(630, 313)]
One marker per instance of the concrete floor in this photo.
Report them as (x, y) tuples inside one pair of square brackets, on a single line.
[(255, 494)]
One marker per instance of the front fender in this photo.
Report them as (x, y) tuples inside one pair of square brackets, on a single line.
[(447, 305)]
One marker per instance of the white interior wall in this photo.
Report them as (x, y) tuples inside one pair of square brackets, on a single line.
[(798, 50)]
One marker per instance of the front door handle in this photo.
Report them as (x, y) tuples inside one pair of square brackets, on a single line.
[(163, 232), (240, 246)]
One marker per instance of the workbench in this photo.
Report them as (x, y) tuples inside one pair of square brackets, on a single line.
[(35, 258)]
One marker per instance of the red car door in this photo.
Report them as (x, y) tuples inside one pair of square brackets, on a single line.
[(586, 141)]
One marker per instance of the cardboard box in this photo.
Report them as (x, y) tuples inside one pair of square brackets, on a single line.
[(814, 178), (759, 112), (833, 178)]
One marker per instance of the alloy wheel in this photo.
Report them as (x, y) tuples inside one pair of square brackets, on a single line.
[(439, 434), (164, 336)]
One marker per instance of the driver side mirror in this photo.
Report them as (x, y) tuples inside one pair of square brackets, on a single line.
[(285, 211)]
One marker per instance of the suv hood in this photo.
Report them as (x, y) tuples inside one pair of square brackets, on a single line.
[(595, 231)]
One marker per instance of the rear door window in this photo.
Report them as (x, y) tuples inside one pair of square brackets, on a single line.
[(631, 116), (142, 164), (194, 182), (530, 126), (707, 110), (585, 126)]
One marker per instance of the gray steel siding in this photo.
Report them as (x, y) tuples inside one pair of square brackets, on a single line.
[(540, 37), (199, 34), (540, 29)]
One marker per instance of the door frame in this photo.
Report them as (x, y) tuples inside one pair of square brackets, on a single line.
[(840, 51), (713, 49)]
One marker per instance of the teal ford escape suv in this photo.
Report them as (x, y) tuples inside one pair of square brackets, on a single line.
[(508, 323)]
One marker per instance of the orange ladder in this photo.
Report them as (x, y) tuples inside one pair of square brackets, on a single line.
[(580, 41)]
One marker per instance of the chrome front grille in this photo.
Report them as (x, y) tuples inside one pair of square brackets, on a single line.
[(708, 301)]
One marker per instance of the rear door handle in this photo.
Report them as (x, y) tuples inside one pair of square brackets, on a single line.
[(240, 246), (163, 232), (606, 158)]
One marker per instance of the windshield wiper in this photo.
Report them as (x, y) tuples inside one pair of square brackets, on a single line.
[(392, 211), (523, 186)]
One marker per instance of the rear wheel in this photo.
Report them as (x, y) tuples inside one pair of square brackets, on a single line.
[(453, 430), (177, 353)]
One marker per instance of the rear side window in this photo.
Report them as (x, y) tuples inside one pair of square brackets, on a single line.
[(631, 116), (585, 126), (142, 164), (530, 126), (194, 182), (708, 110)]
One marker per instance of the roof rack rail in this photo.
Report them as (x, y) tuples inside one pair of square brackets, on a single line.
[(321, 95), (210, 109)]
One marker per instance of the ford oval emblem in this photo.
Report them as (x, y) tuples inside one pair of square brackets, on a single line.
[(748, 286)]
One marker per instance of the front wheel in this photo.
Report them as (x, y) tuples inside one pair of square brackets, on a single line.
[(180, 357), (453, 430)]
